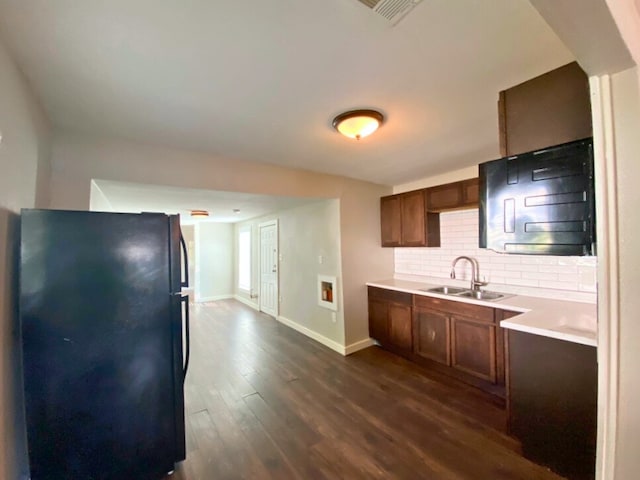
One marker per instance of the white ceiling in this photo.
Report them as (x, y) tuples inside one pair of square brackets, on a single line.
[(262, 80), (135, 198)]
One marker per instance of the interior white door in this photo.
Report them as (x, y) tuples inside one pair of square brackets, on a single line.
[(269, 267)]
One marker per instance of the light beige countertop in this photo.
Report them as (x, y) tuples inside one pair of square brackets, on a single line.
[(565, 320)]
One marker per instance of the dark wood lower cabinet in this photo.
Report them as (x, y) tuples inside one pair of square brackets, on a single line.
[(473, 347), (461, 340), (551, 384), (400, 334), (432, 335), (378, 322), (390, 319), (553, 402), (458, 339)]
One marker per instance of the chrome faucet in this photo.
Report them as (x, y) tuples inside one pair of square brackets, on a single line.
[(475, 272)]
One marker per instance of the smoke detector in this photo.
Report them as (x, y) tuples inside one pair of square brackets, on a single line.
[(392, 10)]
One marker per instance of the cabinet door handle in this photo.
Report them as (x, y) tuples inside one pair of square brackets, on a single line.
[(432, 335)]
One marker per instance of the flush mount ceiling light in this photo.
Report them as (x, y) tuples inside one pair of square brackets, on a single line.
[(199, 213), (358, 123)]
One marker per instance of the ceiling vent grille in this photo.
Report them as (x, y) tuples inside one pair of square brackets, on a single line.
[(392, 10)]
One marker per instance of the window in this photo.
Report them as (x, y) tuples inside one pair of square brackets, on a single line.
[(244, 259)]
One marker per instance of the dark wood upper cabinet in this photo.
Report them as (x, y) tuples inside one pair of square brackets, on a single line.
[(405, 222), (470, 192), (414, 231), (453, 196), (551, 109), (391, 221), (412, 219)]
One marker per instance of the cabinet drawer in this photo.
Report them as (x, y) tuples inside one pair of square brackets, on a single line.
[(403, 298), (477, 312)]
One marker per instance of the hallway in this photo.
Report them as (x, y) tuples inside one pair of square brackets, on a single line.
[(264, 401)]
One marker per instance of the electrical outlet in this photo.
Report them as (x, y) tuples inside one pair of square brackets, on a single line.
[(320, 259), (334, 317)]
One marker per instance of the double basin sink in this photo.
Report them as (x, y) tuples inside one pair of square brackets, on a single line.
[(465, 293)]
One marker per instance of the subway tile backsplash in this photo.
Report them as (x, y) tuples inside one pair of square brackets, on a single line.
[(459, 236)]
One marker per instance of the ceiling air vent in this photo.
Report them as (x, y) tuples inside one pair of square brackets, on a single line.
[(392, 10)]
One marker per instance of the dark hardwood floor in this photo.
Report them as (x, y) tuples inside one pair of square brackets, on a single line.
[(263, 401)]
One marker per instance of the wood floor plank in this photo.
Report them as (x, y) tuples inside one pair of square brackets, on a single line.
[(265, 402)]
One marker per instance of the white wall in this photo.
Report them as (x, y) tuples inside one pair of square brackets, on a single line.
[(304, 234), (98, 201), (188, 233), (76, 159), (214, 261), (24, 172), (626, 112), (562, 277), (453, 176)]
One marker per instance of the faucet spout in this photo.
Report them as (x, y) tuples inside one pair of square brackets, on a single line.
[(476, 283)]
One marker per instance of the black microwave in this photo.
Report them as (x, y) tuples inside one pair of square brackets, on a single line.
[(540, 202)]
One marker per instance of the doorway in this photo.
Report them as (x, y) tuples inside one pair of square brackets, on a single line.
[(269, 267)]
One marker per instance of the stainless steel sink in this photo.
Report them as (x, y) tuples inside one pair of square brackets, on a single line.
[(481, 295), (445, 290), (466, 293)]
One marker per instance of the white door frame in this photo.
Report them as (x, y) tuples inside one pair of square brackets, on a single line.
[(261, 303), (608, 283)]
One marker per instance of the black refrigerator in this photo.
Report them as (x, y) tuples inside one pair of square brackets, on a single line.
[(102, 320)]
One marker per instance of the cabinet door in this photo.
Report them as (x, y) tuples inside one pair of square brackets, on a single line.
[(378, 323), (390, 221), (553, 394), (471, 192), (444, 197), (453, 196), (431, 335), (400, 333), (547, 110), (473, 347), (413, 219)]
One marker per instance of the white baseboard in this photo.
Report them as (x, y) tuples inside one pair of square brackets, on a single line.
[(327, 342), (215, 298), (247, 302), (361, 345)]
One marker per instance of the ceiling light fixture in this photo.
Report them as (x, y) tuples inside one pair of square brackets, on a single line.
[(199, 213), (358, 123)]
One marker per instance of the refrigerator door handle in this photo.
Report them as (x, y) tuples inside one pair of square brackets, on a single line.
[(185, 299), (183, 245)]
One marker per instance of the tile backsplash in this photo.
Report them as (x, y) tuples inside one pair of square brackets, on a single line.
[(459, 236)]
